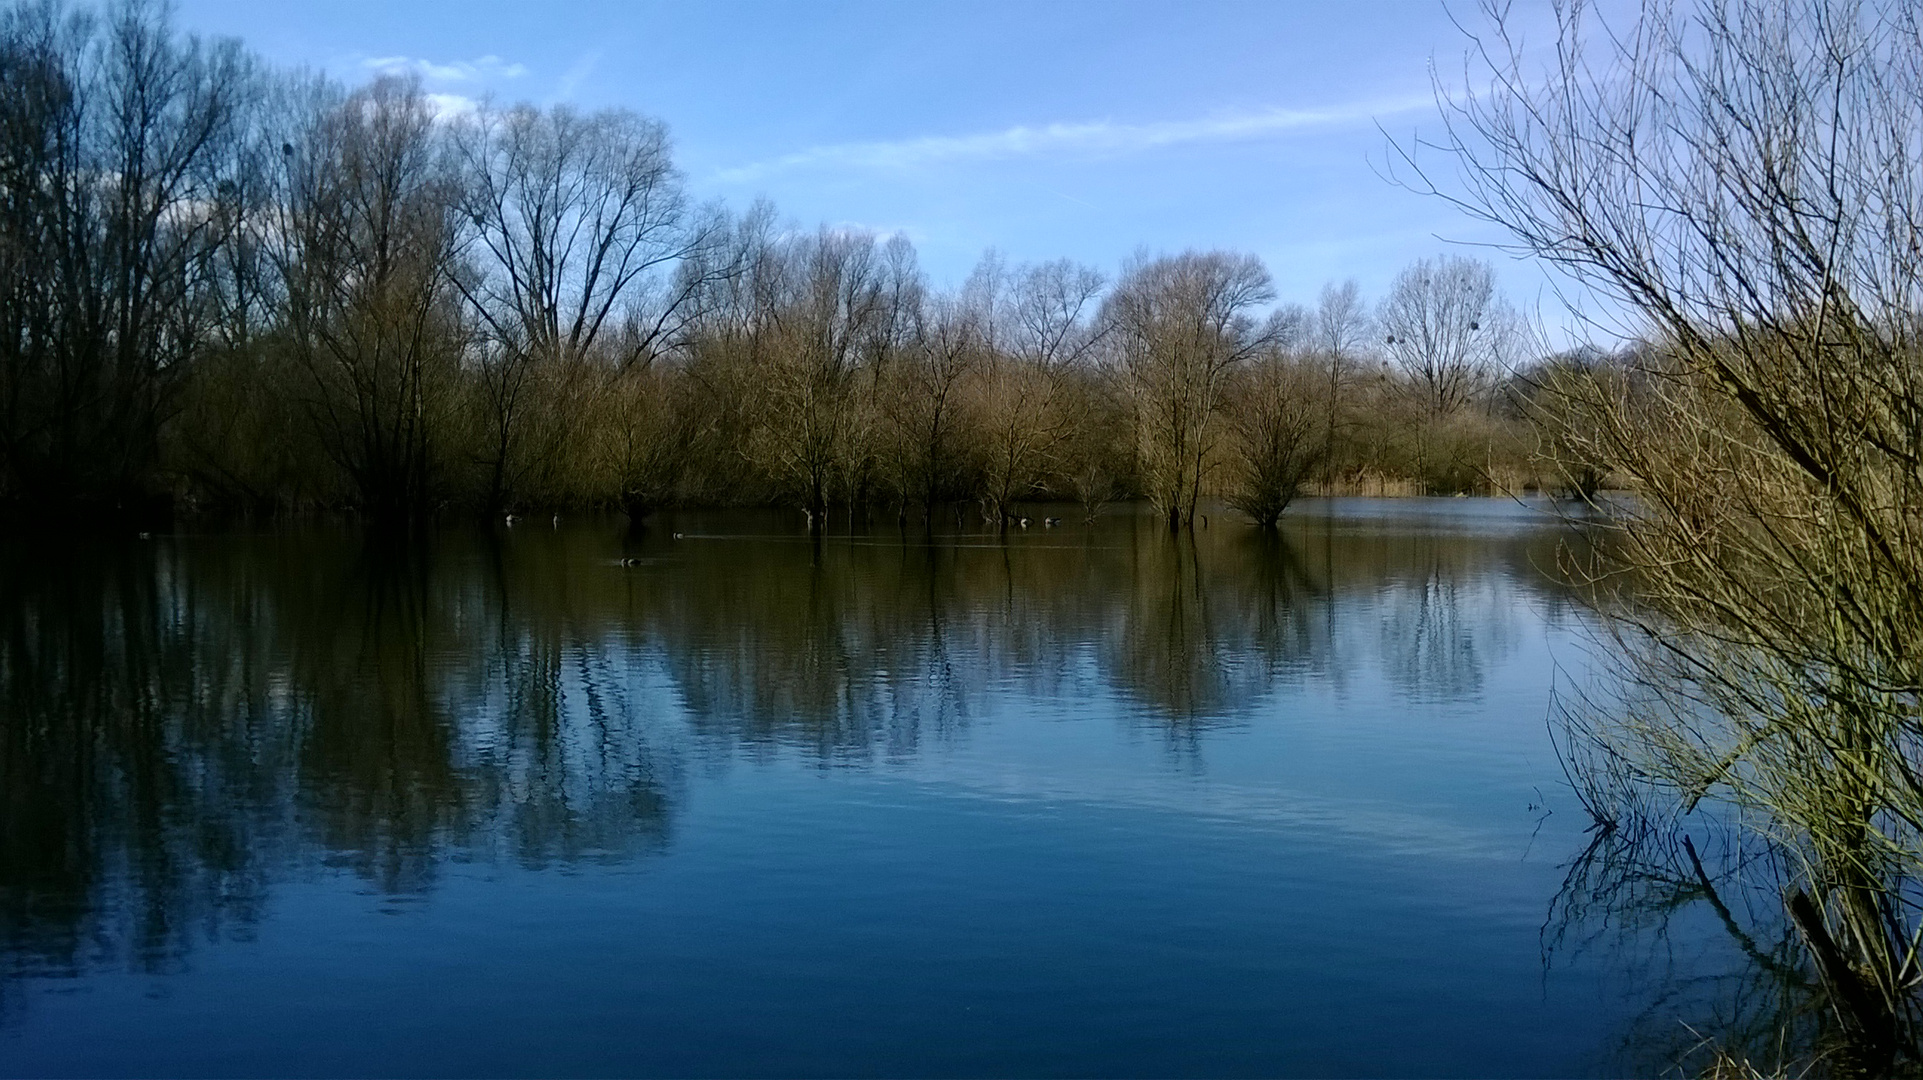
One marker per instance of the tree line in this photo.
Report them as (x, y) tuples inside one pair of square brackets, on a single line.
[(226, 287)]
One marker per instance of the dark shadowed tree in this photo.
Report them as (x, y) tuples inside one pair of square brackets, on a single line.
[(574, 224), (372, 316), (116, 138)]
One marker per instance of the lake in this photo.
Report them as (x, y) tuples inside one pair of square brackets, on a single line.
[(719, 799)]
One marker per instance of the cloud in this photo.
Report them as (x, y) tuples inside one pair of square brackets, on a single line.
[(451, 106), (576, 73), (1101, 137), (480, 69)]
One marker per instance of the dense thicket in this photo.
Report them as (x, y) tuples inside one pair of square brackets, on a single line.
[(226, 288)]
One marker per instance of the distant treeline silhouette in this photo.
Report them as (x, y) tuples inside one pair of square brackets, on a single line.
[(229, 288)]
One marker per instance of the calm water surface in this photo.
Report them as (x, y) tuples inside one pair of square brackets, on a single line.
[(1090, 801)]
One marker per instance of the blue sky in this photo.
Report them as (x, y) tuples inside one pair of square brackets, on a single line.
[(1085, 130)]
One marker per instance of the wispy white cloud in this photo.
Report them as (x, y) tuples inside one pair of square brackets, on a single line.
[(576, 73), (1096, 138), (480, 69)]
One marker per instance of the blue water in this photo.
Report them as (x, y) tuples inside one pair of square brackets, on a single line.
[(1085, 801)]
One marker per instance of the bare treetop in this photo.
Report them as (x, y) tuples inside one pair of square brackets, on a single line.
[(1445, 325), (570, 213)]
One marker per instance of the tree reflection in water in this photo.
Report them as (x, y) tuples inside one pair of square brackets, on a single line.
[(188, 720), (183, 722), (1690, 905), (1693, 918)]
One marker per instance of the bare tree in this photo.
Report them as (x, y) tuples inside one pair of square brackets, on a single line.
[(923, 400), (818, 299), (1276, 411), (117, 136), (890, 347), (1183, 324), (571, 220), (1742, 180), (372, 315), (1052, 311), (1040, 325), (1447, 329), (1340, 331)]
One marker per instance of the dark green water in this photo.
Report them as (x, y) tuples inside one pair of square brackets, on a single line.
[(1089, 801)]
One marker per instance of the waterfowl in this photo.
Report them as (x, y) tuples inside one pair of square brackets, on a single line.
[(1024, 523), (1050, 522)]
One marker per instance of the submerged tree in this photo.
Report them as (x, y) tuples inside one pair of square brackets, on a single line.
[(371, 315), (1027, 413), (117, 142), (922, 403), (1276, 418), (821, 302), (1183, 324), (571, 221), (1743, 179)]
